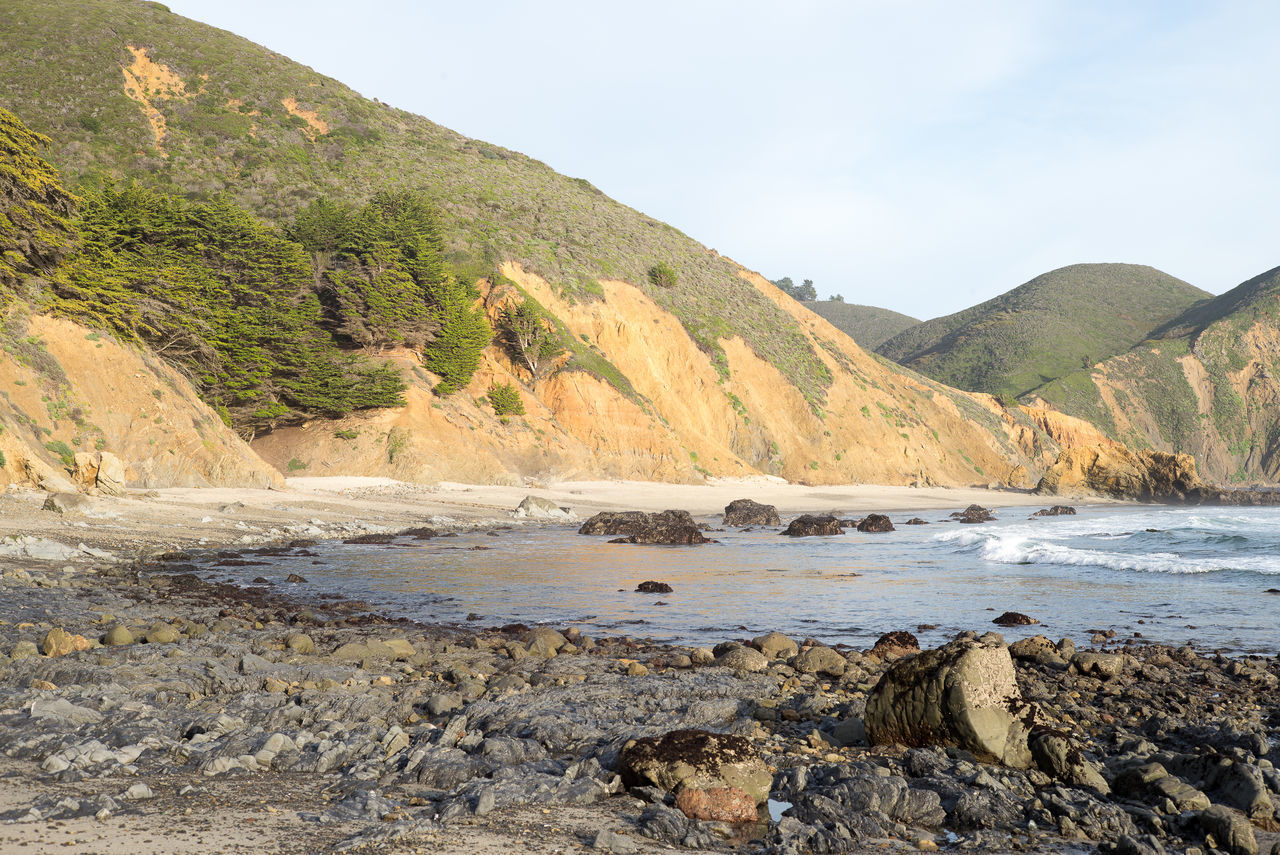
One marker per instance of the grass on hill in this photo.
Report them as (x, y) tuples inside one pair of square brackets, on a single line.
[(274, 135), (869, 326), (1057, 323)]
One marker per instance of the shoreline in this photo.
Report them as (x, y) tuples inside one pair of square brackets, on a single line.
[(241, 736)]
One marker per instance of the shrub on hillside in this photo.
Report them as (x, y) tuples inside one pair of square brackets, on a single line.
[(506, 400)]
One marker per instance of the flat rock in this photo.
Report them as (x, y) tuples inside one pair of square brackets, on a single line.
[(665, 528), (809, 525), (695, 759)]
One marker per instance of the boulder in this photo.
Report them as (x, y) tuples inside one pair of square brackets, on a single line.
[(299, 642), (59, 642), (1014, 619), (1060, 758), (65, 503), (544, 641), (652, 587), (964, 694), (538, 508), (1039, 650), (973, 514), (717, 804), (775, 645), (161, 633), (747, 512), (875, 523), (819, 660), (916, 521), (808, 525), (667, 527), (111, 474), (118, 636), (1104, 666), (741, 658), (1230, 830), (1055, 511), (695, 759), (896, 643)]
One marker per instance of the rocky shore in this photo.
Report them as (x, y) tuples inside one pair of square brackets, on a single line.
[(143, 709)]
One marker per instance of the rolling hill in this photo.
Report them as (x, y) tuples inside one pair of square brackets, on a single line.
[(1205, 384), (1046, 328), (869, 326), (240, 223)]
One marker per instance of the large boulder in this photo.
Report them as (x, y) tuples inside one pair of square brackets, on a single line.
[(1059, 757), (695, 759), (964, 694), (875, 523), (808, 525), (1115, 471), (973, 514), (748, 512), (538, 508), (667, 527)]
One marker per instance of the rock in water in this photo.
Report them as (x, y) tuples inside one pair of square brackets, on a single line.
[(667, 527), (652, 587), (696, 759), (1055, 511), (973, 514), (875, 523), (538, 508), (896, 643), (808, 525), (964, 694), (1014, 619), (748, 512), (1116, 471)]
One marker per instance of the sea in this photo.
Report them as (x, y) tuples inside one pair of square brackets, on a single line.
[(1208, 577)]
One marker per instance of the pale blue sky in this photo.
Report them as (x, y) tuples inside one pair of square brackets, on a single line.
[(921, 156)]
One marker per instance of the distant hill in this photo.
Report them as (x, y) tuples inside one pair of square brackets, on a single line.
[(869, 326), (1207, 383), (1055, 324)]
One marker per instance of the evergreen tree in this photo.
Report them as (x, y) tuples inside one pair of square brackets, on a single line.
[(36, 230)]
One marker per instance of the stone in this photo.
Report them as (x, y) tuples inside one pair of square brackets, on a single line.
[(636, 669), (65, 503), (139, 792), (1014, 619), (741, 658), (609, 840), (717, 804), (652, 587), (695, 759), (24, 650), (702, 656), (896, 643), (875, 523), (538, 508), (665, 528), (360, 651), (808, 525), (850, 731), (819, 660), (299, 642), (1104, 666), (1037, 649), (445, 702), (161, 633), (59, 642), (917, 521), (744, 512), (544, 641), (1230, 830), (1060, 758), (111, 474), (1055, 511), (775, 645), (401, 648), (973, 514), (964, 694), (118, 636)]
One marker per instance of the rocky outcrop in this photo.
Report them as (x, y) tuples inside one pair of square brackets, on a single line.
[(963, 694), (809, 525), (666, 527), (1116, 472), (973, 514), (1056, 511), (695, 759), (742, 512), (875, 523)]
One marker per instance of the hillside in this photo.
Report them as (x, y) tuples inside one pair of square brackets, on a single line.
[(282, 257), (1055, 324), (869, 326), (1206, 385)]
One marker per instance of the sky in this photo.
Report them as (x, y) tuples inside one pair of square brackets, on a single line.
[(919, 156)]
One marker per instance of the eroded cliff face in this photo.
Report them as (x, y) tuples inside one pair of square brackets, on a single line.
[(686, 420), (65, 389)]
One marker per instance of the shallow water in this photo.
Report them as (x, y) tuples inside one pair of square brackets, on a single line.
[(1199, 577)]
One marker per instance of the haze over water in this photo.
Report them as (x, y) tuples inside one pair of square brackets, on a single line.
[(1173, 575)]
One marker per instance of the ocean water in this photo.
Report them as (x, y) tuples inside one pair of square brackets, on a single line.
[(1175, 576)]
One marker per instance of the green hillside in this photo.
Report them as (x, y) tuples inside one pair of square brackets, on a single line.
[(212, 114), (1205, 384), (1057, 323), (869, 326)]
